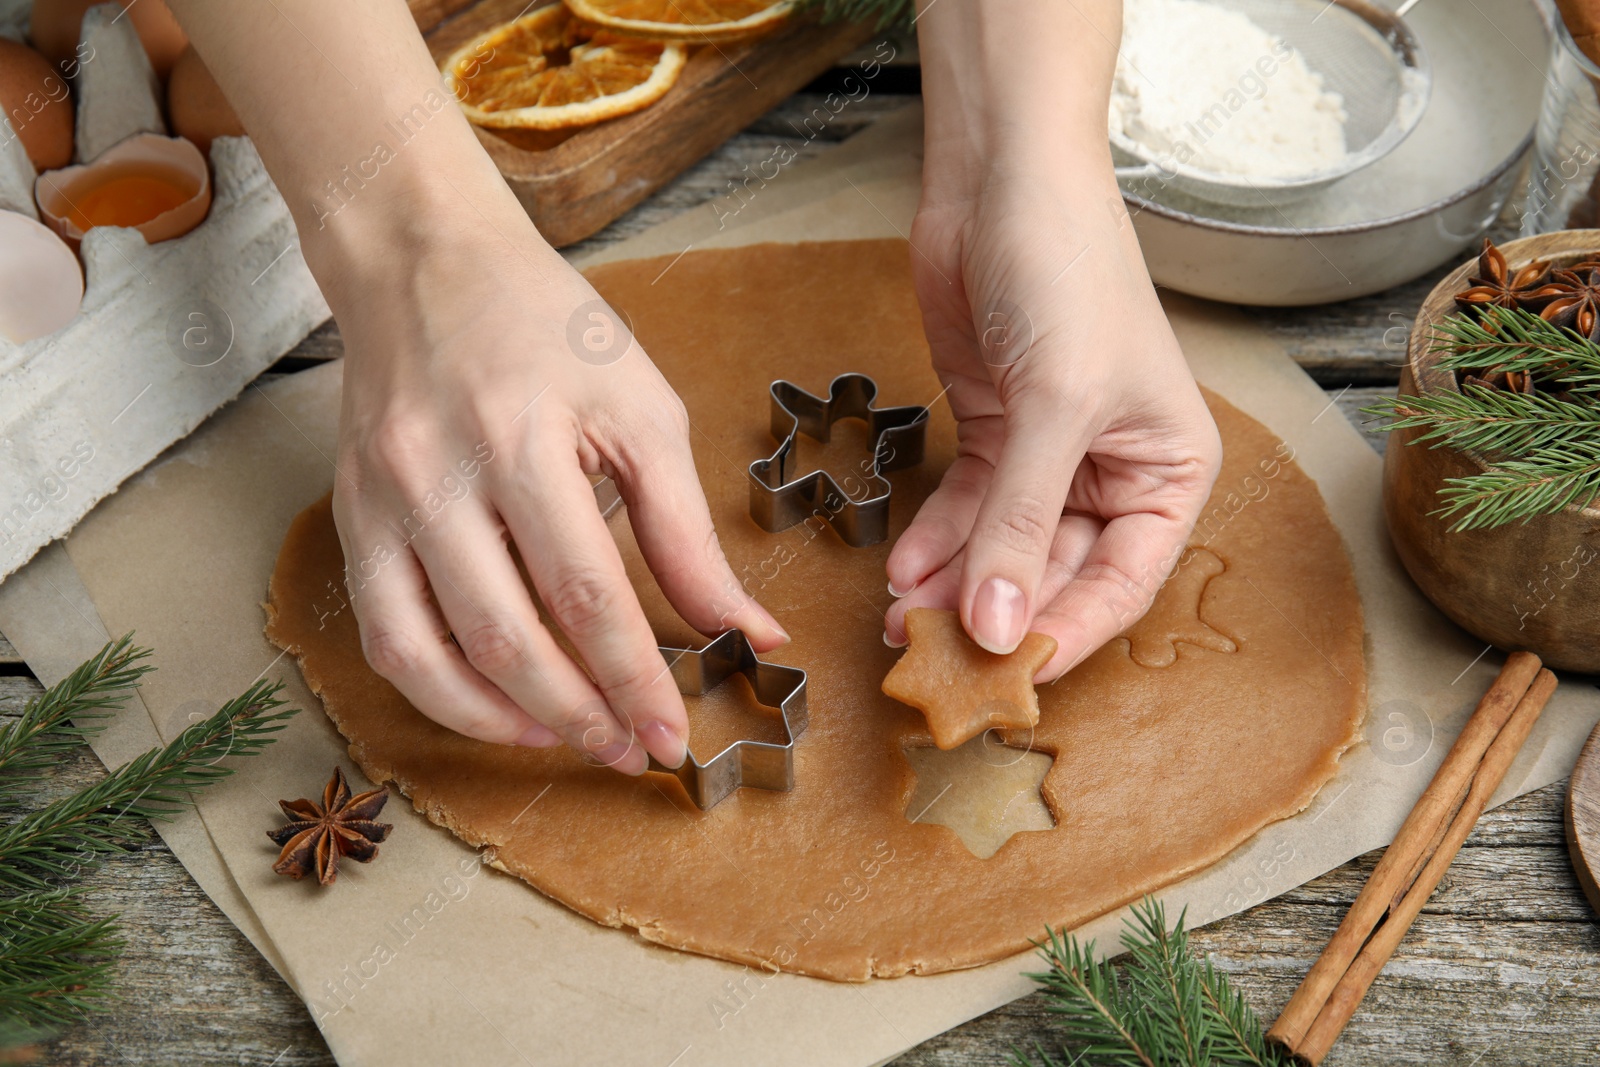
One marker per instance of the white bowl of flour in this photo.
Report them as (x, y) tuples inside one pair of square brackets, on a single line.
[(1230, 100), (1402, 215)]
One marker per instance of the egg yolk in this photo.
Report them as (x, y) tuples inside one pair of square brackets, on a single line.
[(130, 198)]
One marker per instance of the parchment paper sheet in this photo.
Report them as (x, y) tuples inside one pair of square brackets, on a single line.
[(427, 957)]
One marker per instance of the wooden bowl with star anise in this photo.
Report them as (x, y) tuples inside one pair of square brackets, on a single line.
[(1522, 577)]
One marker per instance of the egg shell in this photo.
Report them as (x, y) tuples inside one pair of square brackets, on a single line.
[(56, 26), (195, 104), (37, 103), (57, 190), (41, 284)]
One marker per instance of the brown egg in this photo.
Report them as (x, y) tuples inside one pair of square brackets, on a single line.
[(37, 103), (57, 24), (195, 104)]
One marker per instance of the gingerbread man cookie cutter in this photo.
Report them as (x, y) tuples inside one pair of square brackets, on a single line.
[(757, 764), (897, 435)]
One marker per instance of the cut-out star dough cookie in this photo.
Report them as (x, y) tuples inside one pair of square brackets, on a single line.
[(1175, 615), (959, 687)]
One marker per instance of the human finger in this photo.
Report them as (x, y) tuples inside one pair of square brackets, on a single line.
[(1119, 579), (941, 526), (672, 524), (1073, 539), (406, 640), (1009, 546), (581, 580), (491, 615)]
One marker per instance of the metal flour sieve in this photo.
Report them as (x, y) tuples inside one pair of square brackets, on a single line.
[(1366, 54)]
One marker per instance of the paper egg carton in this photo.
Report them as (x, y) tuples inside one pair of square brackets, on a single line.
[(167, 332)]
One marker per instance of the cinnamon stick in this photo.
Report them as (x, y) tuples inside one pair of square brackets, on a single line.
[(1404, 858), (1352, 987)]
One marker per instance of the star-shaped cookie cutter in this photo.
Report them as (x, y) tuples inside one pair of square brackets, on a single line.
[(897, 435), (758, 764)]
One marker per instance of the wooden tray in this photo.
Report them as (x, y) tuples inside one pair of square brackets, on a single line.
[(1583, 819), (572, 184)]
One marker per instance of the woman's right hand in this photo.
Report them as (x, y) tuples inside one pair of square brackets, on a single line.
[(456, 317), (484, 381)]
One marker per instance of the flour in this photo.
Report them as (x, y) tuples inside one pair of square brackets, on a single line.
[(1201, 85)]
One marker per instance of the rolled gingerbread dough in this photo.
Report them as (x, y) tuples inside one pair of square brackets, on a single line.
[(1161, 766)]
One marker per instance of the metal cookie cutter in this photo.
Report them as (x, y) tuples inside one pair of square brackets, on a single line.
[(758, 764), (897, 436)]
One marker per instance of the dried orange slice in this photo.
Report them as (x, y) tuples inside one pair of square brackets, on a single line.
[(684, 20), (548, 70)]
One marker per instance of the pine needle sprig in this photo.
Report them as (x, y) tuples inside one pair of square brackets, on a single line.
[(56, 957), (1544, 480), (883, 13), (1516, 339), (55, 962), (1542, 449), (1164, 977), (1246, 1042), (1166, 1009), (61, 717), (58, 840), (1088, 1001), (1485, 419)]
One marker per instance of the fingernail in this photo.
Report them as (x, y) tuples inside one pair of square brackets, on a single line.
[(891, 642), (617, 757), (897, 594), (997, 616), (537, 736), (662, 742), (767, 618)]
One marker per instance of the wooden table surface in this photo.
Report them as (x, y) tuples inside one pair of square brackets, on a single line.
[(1500, 969)]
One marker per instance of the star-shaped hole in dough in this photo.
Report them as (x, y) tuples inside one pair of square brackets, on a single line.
[(984, 791), (1175, 615), (961, 689)]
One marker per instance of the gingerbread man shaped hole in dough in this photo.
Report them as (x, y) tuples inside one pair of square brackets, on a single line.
[(1175, 615)]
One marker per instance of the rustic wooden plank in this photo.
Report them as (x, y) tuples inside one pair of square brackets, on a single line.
[(1362, 341)]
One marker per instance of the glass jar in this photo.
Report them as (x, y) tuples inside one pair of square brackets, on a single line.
[(1564, 182)]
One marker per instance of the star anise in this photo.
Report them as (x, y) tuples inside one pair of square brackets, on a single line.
[(317, 835), (1576, 305), (1495, 286)]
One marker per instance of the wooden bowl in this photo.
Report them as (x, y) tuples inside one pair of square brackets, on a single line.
[(1532, 586)]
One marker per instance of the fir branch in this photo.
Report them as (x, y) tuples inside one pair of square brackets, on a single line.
[(1086, 998), (1245, 1044), (884, 13), (1518, 340), (61, 717), (1485, 419), (1174, 1011), (55, 962), (1544, 449), (57, 841), (1164, 977), (1543, 481)]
